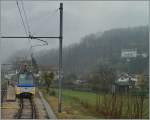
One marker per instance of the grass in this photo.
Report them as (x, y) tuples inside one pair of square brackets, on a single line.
[(70, 108), (77, 104), (90, 99), (84, 96)]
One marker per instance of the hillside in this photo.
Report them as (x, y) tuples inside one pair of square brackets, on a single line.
[(94, 49), (99, 49)]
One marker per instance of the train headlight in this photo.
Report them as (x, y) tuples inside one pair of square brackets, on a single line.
[(18, 90)]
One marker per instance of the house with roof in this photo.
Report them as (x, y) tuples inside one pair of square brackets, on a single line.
[(124, 83)]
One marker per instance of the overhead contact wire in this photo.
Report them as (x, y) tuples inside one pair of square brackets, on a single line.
[(21, 18), (26, 19), (23, 23), (28, 27)]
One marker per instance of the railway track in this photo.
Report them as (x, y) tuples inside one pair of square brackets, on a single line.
[(27, 109)]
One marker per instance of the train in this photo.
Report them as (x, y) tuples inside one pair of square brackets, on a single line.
[(25, 84)]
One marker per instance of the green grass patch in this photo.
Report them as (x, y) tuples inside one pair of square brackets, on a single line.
[(88, 100), (83, 96), (83, 105), (71, 109)]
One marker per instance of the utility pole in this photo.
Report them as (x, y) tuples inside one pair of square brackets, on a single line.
[(60, 58), (0, 55)]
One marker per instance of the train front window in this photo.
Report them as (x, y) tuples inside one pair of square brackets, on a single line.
[(25, 79)]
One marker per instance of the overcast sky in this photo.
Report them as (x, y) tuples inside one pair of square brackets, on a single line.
[(80, 19)]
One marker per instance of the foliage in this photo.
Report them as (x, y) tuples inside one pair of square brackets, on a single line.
[(69, 79), (98, 49), (142, 87), (53, 93), (139, 65), (47, 78), (102, 79), (141, 82)]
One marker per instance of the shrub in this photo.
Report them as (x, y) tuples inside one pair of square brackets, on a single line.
[(53, 93)]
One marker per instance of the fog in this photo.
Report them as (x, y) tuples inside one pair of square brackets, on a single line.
[(80, 18)]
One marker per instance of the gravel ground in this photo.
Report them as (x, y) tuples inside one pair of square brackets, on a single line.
[(40, 109), (9, 109)]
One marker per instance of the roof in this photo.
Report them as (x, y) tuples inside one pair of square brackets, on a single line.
[(126, 80)]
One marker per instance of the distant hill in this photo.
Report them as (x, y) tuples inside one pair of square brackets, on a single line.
[(100, 48)]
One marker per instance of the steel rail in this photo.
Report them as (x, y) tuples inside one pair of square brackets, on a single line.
[(20, 113)]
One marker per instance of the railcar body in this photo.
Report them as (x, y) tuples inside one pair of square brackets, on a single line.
[(25, 84)]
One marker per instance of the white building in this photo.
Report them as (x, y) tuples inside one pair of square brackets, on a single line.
[(129, 53)]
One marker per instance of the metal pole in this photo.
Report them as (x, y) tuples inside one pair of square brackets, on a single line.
[(60, 58), (0, 54)]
